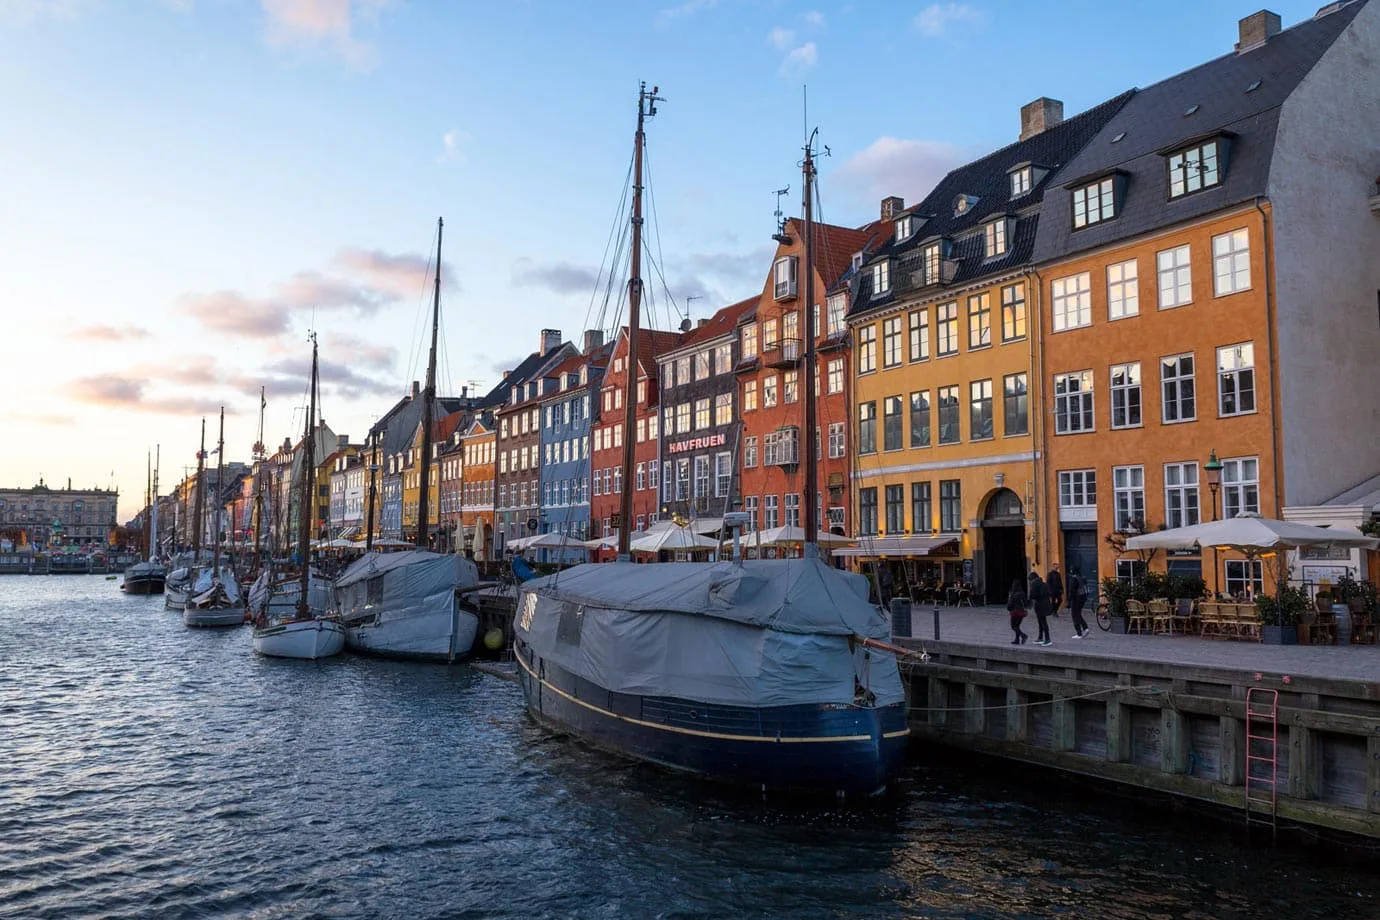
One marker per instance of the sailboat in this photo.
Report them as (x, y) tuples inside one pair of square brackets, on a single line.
[(183, 581), (774, 674), (298, 633), (415, 604), (148, 575), (219, 603)]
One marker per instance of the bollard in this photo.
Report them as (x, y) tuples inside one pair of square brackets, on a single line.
[(936, 624)]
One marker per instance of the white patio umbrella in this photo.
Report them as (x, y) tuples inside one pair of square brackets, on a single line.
[(775, 536), (477, 545), (1249, 532), (609, 542), (671, 538), (552, 541)]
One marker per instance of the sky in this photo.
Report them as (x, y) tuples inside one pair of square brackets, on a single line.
[(188, 188)]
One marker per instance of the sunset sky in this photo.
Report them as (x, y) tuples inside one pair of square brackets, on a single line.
[(188, 186)]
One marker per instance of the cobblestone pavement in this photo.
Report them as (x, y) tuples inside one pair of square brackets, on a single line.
[(989, 626)]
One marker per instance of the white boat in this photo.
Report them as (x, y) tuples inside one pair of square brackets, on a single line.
[(317, 637), (276, 598), (414, 604)]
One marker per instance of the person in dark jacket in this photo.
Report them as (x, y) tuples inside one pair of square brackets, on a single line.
[(1078, 596), (1038, 594), (1054, 582), (1015, 605), (884, 583)]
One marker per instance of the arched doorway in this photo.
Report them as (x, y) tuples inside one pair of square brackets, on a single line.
[(1003, 544)]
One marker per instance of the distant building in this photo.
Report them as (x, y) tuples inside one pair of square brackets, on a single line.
[(42, 517)]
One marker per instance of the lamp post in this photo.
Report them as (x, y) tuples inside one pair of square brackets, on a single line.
[(1213, 469), (369, 525)]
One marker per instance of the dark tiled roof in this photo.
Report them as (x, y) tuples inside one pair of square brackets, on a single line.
[(1154, 121), (520, 374), (399, 425), (988, 179)]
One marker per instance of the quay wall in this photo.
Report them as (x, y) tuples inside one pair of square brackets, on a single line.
[(1172, 728)]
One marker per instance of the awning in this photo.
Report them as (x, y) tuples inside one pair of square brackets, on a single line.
[(914, 545)]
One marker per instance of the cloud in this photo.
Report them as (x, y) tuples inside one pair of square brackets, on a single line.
[(400, 275), (732, 266), (233, 313), (897, 166), (24, 11), (780, 37), (558, 277), (322, 23), (934, 20), (814, 18), (101, 333), (289, 376), (453, 144), (688, 8), (377, 357), (119, 392), (311, 290), (800, 59)]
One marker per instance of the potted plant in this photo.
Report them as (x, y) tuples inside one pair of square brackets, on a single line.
[(1117, 593), (1279, 615)]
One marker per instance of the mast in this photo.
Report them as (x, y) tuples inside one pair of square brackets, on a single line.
[(810, 491), (200, 491), (429, 397), (646, 108), (220, 473), (148, 507), (308, 481), (153, 513), (257, 516)]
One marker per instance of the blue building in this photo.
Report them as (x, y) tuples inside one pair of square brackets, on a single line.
[(566, 420)]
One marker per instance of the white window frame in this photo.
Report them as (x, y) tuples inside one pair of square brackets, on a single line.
[(1178, 390), (919, 337), (1094, 203), (1240, 486), (1174, 276), (1074, 406), (834, 375), (994, 238), (723, 474), (1071, 301), (783, 274), (1121, 394), (1128, 497), (837, 440), (747, 338), (837, 308), (891, 342), (867, 348), (1078, 495), (881, 277), (1020, 182), (1235, 364), (1123, 289), (1231, 262), (1194, 169), (750, 452), (1182, 496)]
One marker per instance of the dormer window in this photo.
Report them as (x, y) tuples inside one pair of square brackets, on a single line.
[(584, 374), (931, 260), (994, 234), (1194, 169), (783, 278), (904, 228), (963, 204), (1020, 182), (857, 261), (1094, 203), (881, 277)]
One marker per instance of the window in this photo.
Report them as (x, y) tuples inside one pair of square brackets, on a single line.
[(881, 277), (783, 278), (1072, 301), (979, 410), (641, 430), (683, 418), (904, 228), (1073, 402), (921, 507), (1077, 489), (641, 477), (948, 415), (1240, 486), (1130, 570), (1176, 277), (790, 386), (867, 511), (723, 474), (1245, 577), (702, 364), (1126, 395), (1236, 379), (867, 428), (950, 506), (790, 327), (946, 321), (837, 308), (750, 506), (1094, 203), (793, 509), (771, 515), (683, 370), (919, 335), (1193, 169), (1012, 312), (747, 338), (891, 342), (891, 423), (979, 321), (1016, 405), (867, 349), (651, 431), (994, 238), (749, 395), (770, 338), (769, 391), (1020, 182), (750, 452), (683, 479), (931, 258), (702, 476), (1176, 385), (1231, 262), (723, 409), (895, 509), (1180, 494), (1123, 292), (837, 444), (723, 358), (835, 371), (702, 413), (920, 418), (1128, 492)]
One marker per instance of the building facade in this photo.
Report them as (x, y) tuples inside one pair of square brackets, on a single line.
[(567, 418), (477, 488), (42, 517)]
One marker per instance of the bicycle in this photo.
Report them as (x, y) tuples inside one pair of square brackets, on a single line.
[(1104, 616)]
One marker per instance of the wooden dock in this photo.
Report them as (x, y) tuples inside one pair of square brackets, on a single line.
[(1165, 713)]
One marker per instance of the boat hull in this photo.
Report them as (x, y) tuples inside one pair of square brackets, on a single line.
[(427, 636), (175, 598), (812, 749), (213, 616), (307, 639), (142, 584)]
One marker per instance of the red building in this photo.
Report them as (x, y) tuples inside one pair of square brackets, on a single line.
[(606, 453), (771, 372)]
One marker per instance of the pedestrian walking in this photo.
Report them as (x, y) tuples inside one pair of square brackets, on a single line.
[(1078, 596), (1015, 605), (1055, 583), (884, 583), (1038, 594)]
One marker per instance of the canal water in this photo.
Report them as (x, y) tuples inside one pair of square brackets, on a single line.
[(149, 770)]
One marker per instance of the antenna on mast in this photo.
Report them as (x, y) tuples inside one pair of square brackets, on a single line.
[(780, 235)]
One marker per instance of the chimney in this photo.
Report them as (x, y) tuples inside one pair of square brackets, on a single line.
[(594, 338), (891, 206), (1039, 116), (702, 323), (416, 389), (1256, 29), (550, 341)]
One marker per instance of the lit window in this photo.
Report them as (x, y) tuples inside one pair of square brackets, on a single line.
[(1123, 292), (994, 238), (1231, 262), (946, 319), (748, 338), (979, 321), (891, 342), (1013, 312), (1094, 203), (919, 335), (881, 278), (1175, 276), (749, 395), (1072, 301), (836, 376)]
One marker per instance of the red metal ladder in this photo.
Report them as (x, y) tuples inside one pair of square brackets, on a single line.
[(1262, 760)]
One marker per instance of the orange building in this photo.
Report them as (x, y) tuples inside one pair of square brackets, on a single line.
[(771, 370), (477, 445)]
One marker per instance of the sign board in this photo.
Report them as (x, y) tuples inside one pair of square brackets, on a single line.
[(712, 440)]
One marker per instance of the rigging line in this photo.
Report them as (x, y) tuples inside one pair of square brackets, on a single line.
[(415, 357), (656, 229), (614, 235)]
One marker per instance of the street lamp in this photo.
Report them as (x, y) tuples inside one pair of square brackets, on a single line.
[(1213, 469), (369, 526)]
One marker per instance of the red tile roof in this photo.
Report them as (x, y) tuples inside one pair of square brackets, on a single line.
[(445, 427), (721, 323), (834, 246)]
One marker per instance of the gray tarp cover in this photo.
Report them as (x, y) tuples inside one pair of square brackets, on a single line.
[(767, 633), (413, 579)]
